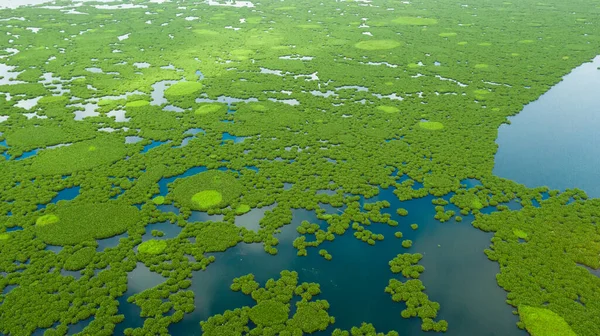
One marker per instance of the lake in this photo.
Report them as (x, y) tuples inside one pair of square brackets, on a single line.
[(554, 140)]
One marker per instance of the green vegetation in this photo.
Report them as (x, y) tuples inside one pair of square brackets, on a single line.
[(209, 108), (544, 322), (377, 44), (152, 247), (332, 110), (76, 223), (414, 21), (272, 308), (388, 109), (211, 189), (183, 89), (431, 125)]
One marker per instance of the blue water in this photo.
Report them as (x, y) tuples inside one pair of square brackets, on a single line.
[(458, 275), (554, 141), (66, 194), (199, 74), (236, 139), (155, 143)]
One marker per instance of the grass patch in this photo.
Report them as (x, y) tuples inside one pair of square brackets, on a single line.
[(431, 125), (377, 44), (158, 200), (73, 224), (206, 32), (414, 21), (152, 247), (544, 322), (520, 233), (49, 100), (47, 220), (183, 89), (449, 34), (207, 199), (481, 66), (242, 209), (309, 26), (211, 189), (388, 109), (209, 108)]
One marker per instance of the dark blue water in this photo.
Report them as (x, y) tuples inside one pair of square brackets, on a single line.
[(236, 139), (155, 143), (554, 141), (66, 194)]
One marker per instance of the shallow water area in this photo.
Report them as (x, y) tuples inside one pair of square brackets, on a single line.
[(554, 141)]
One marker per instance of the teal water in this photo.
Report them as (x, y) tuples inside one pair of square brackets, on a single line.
[(554, 141)]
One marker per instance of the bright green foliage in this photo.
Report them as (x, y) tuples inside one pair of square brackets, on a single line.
[(218, 237), (520, 233), (183, 89), (414, 226), (431, 125), (544, 322), (152, 247), (81, 222), (46, 220), (272, 308), (377, 44), (206, 190), (242, 209), (80, 259), (407, 243), (407, 265), (158, 200), (209, 108), (207, 199), (388, 109)]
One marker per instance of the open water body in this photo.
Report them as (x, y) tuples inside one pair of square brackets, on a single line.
[(555, 141)]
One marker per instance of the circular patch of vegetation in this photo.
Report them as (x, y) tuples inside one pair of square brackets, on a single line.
[(377, 44), (183, 89), (242, 209), (431, 125), (269, 313), (73, 224), (158, 200), (209, 108), (258, 107), (211, 189), (388, 109), (481, 66), (137, 103), (449, 34), (414, 21), (207, 199), (152, 247)]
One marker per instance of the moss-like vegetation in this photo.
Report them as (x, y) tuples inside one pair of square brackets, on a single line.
[(544, 322), (330, 117), (431, 125), (76, 223), (377, 44), (183, 89), (414, 21), (152, 247), (207, 190)]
